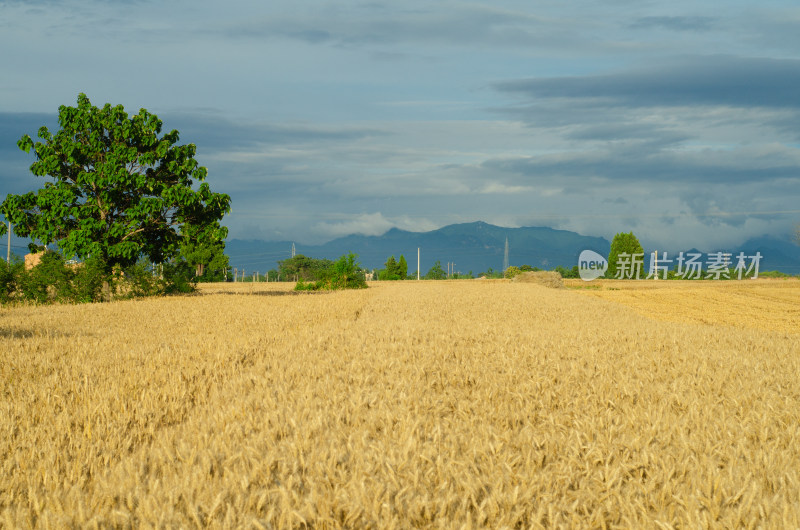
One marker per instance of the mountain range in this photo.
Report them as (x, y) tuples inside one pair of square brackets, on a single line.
[(476, 247)]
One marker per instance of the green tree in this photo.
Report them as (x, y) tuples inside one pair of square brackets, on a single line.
[(392, 270), (119, 191), (205, 254), (301, 267), (622, 243), (436, 272), (402, 268)]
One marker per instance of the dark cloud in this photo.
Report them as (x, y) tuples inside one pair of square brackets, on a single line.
[(714, 209), (216, 133), (674, 23), (14, 125), (637, 133), (787, 124), (714, 80), (201, 128), (15, 175), (366, 25), (641, 166)]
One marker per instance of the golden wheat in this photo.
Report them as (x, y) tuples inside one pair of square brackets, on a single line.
[(446, 404)]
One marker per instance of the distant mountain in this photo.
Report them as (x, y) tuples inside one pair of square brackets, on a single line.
[(780, 254), (777, 254), (472, 247)]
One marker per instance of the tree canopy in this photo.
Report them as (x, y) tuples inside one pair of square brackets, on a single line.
[(203, 253), (118, 191), (436, 272), (392, 270), (622, 244), (402, 267), (300, 267)]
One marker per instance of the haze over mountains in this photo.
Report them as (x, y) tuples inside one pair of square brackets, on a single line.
[(478, 246)]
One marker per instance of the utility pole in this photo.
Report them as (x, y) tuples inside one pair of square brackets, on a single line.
[(505, 257), (292, 249), (417, 262), (8, 252), (655, 265)]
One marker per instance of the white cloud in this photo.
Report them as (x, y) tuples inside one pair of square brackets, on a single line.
[(372, 224)]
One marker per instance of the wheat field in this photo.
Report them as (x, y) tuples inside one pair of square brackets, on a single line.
[(452, 404)]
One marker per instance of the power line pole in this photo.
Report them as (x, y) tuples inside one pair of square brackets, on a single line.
[(292, 249), (505, 257), (417, 263), (8, 252)]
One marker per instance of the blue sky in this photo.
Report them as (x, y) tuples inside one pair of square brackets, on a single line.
[(677, 120)]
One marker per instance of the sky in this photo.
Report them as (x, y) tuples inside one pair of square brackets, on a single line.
[(679, 121)]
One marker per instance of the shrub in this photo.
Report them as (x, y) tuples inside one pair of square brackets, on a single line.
[(50, 280), (9, 278), (87, 281), (567, 273), (344, 273), (177, 277)]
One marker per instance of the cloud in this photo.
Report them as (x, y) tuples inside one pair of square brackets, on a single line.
[(500, 189), (15, 175), (372, 224), (675, 23), (214, 132), (702, 167), (370, 25), (14, 125), (690, 81)]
